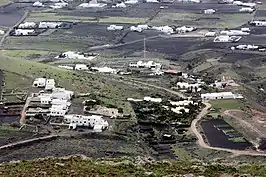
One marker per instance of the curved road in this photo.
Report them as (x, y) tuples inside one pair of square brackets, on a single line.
[(202, 143)]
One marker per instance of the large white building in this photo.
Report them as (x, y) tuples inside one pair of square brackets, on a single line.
[(220, 95), (157, 100), (39, 82), (142, 64), (93, 121), (75, 55), (49, 25), (50, 84)]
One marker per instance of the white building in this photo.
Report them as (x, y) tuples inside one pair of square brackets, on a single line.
[(39, 82), (224, 38), (59, 5), (120, 5), (234, 33), (58, 110), (182, 103), (186, 86), (131, 2), (94, 121), (164, 29), (66, 67), (210, 34), (49, 25), (258, 23), (23, 32), (190, 1), (81, 67), (134, 100), (247, 9), (245, 47), (50, 84), (45, 100), (220, 95), (2, 32), (142, 64), (157, 100), (209, 11), (92, 4), (60, 102), (178, 110), (184, 29), (104, 70), (114, 28), (152, 1), (27, 25), (139, 28), (37, 4), (62, 93), (75, 55)]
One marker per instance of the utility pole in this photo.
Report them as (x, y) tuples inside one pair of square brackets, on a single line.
[(144, 47)]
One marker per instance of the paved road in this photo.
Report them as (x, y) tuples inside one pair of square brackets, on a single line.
[(202, 143)]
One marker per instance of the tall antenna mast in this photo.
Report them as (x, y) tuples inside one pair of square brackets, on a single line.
[(144, 47)]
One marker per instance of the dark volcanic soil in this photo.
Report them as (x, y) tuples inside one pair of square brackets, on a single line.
[(92, 146), (217, 138)]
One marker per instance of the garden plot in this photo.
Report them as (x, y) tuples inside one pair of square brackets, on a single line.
[(201, 20), (221, 134), (133, 11)]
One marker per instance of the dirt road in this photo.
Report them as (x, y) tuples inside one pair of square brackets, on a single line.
[(202, 143)]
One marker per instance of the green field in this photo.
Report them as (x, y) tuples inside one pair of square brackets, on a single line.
[(20, 73), (227, 104), (3, 2), (42, 16), (202, 20), (237, 140)]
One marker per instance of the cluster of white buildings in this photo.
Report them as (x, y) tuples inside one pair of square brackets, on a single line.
[(56, 5), (41, 25), (185, 86), (57, 103), (84, 67), (58, 99), (92, 4), (258, 23), (148, 64), (115, 27), (249, 47), (98, 123), (225, 38), (164, 29), (209, 11), (75, 55), (23, 32), (224, 82)]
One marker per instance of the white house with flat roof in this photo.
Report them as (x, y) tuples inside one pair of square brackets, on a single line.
[(142, 64), (178, 110), (92, 121), (157, 100), (49, 84), (220, 95), (39, 82)]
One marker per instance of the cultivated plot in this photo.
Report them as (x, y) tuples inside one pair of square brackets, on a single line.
[(221, 134)]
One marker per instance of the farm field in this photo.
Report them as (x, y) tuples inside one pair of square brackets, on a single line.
[(221, 134)]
